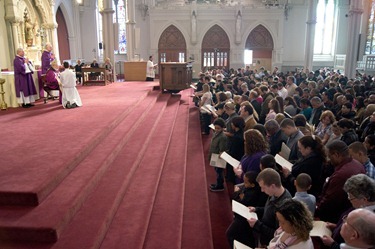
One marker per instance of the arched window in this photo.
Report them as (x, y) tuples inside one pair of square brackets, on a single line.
[(370, 41), (121, 15), (325, 29)]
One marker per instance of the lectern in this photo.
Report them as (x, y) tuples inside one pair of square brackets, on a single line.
[(175, 76)]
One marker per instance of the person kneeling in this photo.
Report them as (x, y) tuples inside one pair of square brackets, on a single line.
[(70, 95)]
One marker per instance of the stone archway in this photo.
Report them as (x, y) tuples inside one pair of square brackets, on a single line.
[(215, 48), (261, 43), (172, 45)]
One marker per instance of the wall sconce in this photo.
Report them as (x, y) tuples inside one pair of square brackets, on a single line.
[(79, 2)]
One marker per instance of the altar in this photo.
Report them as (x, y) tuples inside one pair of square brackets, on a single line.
[(10, 97)]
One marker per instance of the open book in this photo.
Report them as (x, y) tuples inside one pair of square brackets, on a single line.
[(285, 151), (242, 210), (283, 162), (320, 229), (235, 163), (239, 245), (216, 161)]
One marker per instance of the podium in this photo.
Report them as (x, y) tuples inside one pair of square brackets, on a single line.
[(175, 76), (135, 70)]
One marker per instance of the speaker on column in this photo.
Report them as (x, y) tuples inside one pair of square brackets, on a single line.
[(100, 45)]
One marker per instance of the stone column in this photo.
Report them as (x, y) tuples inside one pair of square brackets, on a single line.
[(77, 47), (16, 34), (130, 29), (310, 34), (108, 34), (354, 22)]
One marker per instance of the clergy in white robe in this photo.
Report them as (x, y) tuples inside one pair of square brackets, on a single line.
[(70, 95)]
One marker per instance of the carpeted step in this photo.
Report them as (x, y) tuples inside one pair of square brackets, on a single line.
[(132, 173), (32, 169), (196, 231), (45, 222), (158, 224)]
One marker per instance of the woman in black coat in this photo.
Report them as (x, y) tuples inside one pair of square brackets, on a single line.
[(312, 163)]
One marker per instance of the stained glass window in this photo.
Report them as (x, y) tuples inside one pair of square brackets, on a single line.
[(121, 12)]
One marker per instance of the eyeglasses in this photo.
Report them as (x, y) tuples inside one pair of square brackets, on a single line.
[(351, 198), (345, 220)]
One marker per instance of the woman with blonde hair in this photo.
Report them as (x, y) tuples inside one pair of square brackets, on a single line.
[(255, 147), (206, 99), (324, 129)]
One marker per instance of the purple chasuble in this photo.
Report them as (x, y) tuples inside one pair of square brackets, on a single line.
[(46, 61), (23, 81)]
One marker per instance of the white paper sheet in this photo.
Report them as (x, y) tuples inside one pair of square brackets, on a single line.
[(320, 229), (235, 163), (217, 162), (242, 210), (283, 162), (239, 245)]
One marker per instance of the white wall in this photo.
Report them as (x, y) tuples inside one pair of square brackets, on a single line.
[(5, 60)]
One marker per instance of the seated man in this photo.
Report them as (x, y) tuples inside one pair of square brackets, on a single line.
[(94, 64), (70, 95), (51, 80), (78, 69)]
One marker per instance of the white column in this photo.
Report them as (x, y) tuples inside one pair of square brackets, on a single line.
[(75, 44), (130, 29), (15, 32), (108, 34), (354, 22), (310, 34)]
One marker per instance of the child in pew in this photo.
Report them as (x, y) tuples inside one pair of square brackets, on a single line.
[(248, 194), (218, 146), (303, 184)]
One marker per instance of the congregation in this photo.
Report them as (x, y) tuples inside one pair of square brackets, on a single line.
[(326, 121)]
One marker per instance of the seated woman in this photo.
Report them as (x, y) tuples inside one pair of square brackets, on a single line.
[(108, 67), (295, 222), (52, 80), (324, 130)]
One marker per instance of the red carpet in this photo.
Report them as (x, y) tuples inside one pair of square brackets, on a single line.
[(126, 170)]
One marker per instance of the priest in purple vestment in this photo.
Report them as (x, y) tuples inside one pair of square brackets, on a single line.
[(52, 81), (47, 57), (23, 80)]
